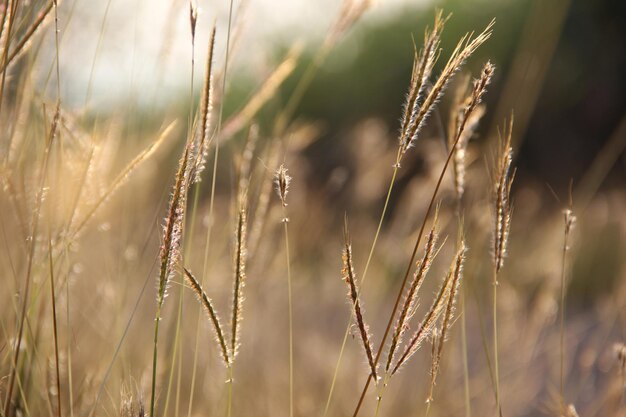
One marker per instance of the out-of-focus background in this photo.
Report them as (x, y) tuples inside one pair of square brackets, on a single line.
[(125, 71), (560, 64)]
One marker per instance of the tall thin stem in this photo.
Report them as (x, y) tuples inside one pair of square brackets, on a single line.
[(495, 337), (290, 312)]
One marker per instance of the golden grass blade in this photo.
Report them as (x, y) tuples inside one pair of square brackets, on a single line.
[(456, 270), (206, 107), (349, 277), (240, 279), (211, 312), (267, 90), (502, 188), (427, 325)]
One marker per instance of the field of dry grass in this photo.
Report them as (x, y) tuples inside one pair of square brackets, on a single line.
[(201, 260)]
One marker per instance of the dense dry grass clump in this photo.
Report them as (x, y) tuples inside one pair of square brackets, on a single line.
[(119, 263)]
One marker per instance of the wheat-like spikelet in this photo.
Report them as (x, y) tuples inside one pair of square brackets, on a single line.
[(211, 312), (456, 271), (282, 181), (464, 122), (131, 407), (457, 110), (349, 277), (410, 300), (427, 325), (502, 188), (206, 106), (174, 224), (423, 64), (435, 342), (466, 47), (240, 279)]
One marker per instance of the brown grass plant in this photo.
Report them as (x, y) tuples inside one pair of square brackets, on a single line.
[(502, 179), (464, 49)]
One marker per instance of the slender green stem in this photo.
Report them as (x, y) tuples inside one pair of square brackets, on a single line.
[(290, 313), (495, 338), (429, 402), (54, 325), (569, 220), (378, 401), (468, 409), (229, 406), (154, 358)]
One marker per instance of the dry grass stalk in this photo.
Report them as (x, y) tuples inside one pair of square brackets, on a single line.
[(435, 342), (502, 189), (211, 312), (121, 179), (420, 111), (265, 92), (569, 220), (410, 300), (170, 253), (502, 181), (349, 277), (240, 279)]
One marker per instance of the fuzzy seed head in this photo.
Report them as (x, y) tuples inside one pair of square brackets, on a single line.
[(282, 181)]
